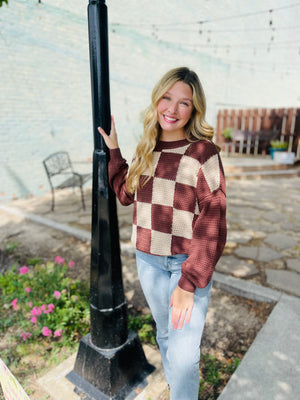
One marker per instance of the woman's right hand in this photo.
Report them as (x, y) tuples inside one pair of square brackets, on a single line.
[(111, 140)]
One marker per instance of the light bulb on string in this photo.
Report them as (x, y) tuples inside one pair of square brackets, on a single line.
[(272, 32), (270, 21), (154, 34), (200, 30), (208, 37)]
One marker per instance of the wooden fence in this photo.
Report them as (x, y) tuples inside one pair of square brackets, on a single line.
[(255, 128)]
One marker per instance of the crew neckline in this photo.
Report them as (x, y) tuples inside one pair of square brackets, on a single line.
[(161, 145)]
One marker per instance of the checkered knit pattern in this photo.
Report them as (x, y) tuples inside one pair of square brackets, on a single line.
[(181, 209)]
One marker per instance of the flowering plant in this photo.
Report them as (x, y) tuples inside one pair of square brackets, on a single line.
[(45, 303)]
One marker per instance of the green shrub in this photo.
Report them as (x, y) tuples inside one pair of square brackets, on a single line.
[(277, 144), (214, 375), (227, 133), (144, 326), (43, 303)]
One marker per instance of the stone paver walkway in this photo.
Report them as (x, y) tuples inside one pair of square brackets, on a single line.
[(264, 233), (263, 243)]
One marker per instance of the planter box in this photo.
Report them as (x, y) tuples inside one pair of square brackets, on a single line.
[(274, 150), (284, 157)]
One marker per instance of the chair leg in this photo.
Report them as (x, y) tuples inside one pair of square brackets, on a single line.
[(82, 198), (52, 204)]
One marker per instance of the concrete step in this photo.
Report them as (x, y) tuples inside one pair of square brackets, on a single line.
[(255, 168), (260, 174), (262, 167)]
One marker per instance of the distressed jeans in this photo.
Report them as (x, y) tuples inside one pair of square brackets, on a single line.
[(179, 348)]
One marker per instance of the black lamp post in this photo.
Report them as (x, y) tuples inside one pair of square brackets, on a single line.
[(110, 362)]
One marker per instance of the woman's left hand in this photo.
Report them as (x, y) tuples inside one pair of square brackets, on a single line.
[(111, 140), (182, 302)]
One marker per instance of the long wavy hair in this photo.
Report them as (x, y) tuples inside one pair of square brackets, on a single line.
[(195, 129)]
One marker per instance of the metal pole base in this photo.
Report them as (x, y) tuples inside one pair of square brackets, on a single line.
[(110, 374)]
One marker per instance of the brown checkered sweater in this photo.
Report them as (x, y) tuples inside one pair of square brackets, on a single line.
[(181, 209)]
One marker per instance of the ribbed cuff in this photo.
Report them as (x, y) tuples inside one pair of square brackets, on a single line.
[(187, 285)]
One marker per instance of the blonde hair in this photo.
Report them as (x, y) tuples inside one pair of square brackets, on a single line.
[(195, 129)]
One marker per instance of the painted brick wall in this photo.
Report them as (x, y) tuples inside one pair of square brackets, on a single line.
[(44, 95), (45, 101)]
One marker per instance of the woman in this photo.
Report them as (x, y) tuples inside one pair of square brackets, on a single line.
[(176, 182)]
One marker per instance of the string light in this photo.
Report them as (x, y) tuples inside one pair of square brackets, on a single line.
[(212, 20), (200, 30), (208, 41), (271, 21)]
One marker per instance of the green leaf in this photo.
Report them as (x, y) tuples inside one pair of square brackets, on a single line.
[(3, 1)]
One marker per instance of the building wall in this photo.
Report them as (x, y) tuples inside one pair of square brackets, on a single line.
[(45, 103)]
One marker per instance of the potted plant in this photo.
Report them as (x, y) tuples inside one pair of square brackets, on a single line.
[(280, 154), (227, 133), (277, 145)]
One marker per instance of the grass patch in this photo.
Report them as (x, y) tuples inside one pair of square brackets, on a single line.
[(144, 326), (214, 375), (10, 247)]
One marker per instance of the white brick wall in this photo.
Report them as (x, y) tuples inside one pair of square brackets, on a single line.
[(45, 101)]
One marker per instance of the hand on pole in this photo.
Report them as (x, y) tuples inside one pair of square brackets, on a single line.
[(111, 140), (182, 303)]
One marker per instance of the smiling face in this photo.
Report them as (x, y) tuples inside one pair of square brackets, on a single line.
[(174, 110)]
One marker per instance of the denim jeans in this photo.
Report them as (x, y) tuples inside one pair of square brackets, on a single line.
[(179, 348)]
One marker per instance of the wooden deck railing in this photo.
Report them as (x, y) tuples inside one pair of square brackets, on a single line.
[(253, 129)]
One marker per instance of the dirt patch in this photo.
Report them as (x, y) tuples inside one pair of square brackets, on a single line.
[(232, 322), (34, 240)]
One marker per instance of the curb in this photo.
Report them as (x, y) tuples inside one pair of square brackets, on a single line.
[(246, 289), (72, 231)]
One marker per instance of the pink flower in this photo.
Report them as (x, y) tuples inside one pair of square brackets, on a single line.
[(14, 304), (43, 307), (36, 311), (30, 304), (25, 335), (71, 264), (46, 331), (50, 309), (27, 289), (33, 320), (56, 294), (24, 270), (58, 333), (59, 260)]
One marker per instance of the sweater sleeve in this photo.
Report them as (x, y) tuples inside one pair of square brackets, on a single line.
[(117, 171), (209, 234)]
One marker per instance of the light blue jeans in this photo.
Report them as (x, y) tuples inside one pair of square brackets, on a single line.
[(180, 348)]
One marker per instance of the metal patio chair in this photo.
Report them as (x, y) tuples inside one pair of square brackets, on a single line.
[(61, 175)]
